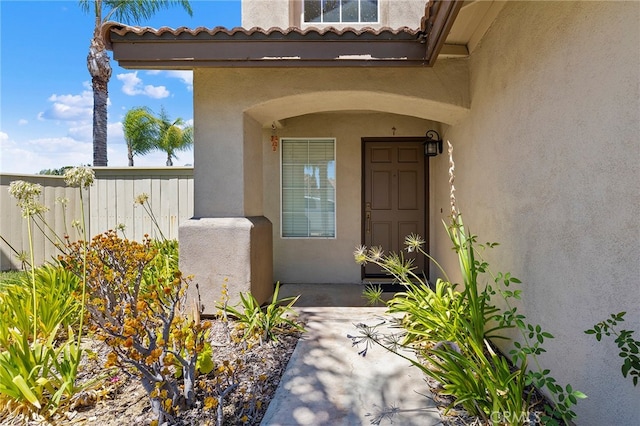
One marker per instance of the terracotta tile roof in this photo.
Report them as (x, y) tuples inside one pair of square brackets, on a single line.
[(109, 29), (188, 48), (185, 48)]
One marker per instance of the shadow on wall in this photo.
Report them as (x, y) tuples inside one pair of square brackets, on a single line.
[(5, 260)]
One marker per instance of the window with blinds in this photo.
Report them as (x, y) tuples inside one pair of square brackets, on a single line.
[(355, 11), (308, 198)]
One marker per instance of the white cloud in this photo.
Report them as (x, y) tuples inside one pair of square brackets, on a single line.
[(60, 111), (34, 155), (31, 156), (115, 133), (69, 107), (132, 86), (156, 92), (82, 100), (82, 132), (76, 148), (185, 76), (23, 122)]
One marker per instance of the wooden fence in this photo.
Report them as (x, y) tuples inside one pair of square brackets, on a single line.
[(108, 204)]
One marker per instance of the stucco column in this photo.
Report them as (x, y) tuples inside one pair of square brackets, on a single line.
[(235, 250), (228, 240)]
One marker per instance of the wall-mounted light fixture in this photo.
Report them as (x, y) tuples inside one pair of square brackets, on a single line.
[(433, 144)]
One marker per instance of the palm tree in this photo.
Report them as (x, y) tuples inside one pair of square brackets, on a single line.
[(144, 132), (98, 59), (140, 131), (173, 136)]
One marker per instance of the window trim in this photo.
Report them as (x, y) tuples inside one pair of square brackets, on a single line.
[(340, 22), (335, 201)]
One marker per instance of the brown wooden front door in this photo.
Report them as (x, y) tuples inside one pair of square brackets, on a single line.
[(394, 204)]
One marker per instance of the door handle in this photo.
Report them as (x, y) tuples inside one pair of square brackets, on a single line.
[(368, 217)]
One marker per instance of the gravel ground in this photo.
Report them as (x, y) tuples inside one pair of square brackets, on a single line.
[(121, 400)]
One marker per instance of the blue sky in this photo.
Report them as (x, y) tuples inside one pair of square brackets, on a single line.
[(46, 100)]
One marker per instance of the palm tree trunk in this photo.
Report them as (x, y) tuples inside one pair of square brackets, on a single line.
[(169, 161), (130, 154), (100, 96), (100, 70)]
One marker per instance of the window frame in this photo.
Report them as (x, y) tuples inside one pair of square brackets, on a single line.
[(282, 141), (340, 22)]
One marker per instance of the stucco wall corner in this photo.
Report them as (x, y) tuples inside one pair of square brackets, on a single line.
[(262, 285), (235, 250), (547, 87)]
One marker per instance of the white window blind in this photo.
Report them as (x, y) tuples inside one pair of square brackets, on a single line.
[(308, 188)]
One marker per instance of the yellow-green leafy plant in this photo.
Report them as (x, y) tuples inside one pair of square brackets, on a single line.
[(372, 294), (137, 305), (450, 330), (438, 325), (36, 376), (37, 373), (57, 308), (11, 277), (28, 195), (237, 378), (264, 322)]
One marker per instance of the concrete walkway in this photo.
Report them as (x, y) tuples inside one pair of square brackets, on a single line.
[(328, 383)]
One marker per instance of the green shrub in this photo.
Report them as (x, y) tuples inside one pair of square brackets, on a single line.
[(57, 307), (37, 373), (37, 376), (264, 323), (450, 331), (137, 305), (628, 346), (10, 277), (429, 315)]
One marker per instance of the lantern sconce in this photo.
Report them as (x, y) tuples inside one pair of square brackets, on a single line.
[(433, 144)]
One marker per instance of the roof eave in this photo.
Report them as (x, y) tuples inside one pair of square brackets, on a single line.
[(436, 23), (184, 48), (185, 54)]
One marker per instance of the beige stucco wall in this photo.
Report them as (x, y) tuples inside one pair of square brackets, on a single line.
[(548, 164), (544, 117), (235, 175), (231, 251), (287, 13), (330, 260), (232, 105)]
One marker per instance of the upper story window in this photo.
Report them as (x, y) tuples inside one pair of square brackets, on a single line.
[(341, 11)]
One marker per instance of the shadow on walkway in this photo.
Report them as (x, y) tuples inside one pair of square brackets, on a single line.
[(328, 383)]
